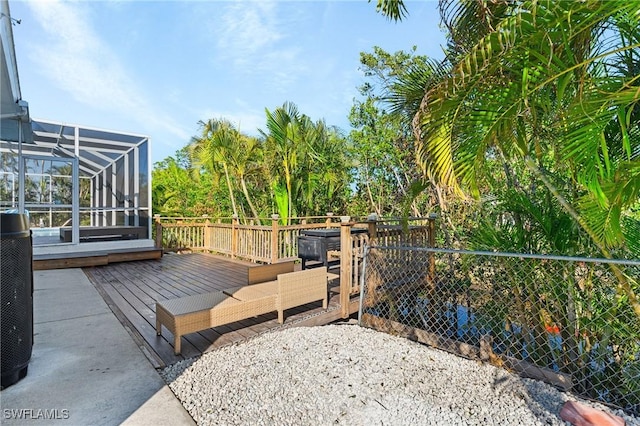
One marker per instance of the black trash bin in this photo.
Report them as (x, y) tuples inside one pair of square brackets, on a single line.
[(16, 293)]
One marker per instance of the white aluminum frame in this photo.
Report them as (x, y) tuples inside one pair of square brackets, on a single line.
[(75, 190)]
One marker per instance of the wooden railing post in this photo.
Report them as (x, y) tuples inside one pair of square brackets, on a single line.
[(158, 225), (432, 229), (206, 244), (274, 238), (372, 222), (345, 264), (328, 221), (234, 235)]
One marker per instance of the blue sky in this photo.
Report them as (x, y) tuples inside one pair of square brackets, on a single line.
[(157, 68)]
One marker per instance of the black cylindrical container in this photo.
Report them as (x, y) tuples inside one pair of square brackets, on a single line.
[(16, 294)]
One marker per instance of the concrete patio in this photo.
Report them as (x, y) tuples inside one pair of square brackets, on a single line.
[(85, 368)]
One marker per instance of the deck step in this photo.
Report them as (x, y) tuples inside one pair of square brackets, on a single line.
[(93, 258)]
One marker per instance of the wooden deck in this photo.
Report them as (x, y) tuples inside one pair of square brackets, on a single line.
[(131, 290)]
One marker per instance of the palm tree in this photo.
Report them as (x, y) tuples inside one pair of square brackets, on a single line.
[(244, 159), (553, 86), (330, 163), (214, 148), (309, 162), (322, 173), (282, 141)]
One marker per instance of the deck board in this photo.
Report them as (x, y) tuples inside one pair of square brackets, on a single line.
[(132, 289)]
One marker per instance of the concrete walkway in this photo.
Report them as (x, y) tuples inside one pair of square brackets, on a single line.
[(85, 369)]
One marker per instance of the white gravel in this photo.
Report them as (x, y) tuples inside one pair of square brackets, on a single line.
[(345, 374)]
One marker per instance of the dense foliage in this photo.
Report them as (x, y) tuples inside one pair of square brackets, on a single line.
[(526, 137), (534, 118), (295, 167), (536, 112)]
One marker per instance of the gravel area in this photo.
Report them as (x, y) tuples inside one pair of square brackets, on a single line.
[(346, 374)]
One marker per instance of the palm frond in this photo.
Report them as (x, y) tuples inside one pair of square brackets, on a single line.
[(394, 10), (631, 231), (404, 94)]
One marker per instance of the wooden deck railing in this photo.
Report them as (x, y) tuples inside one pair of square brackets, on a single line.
[(276, 242), (258, 243)]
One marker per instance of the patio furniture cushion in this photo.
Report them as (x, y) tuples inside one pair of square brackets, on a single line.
[(247, 292), (264, 273), (198, 312)]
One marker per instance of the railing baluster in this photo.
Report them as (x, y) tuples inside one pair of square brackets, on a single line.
[(271, 243)]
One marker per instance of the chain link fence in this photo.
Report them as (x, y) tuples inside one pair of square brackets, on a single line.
[(567, 321)]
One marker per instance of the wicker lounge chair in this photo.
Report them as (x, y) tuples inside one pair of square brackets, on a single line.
[(198, 312)]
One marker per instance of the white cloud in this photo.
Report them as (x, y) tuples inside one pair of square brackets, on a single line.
[(80, 63), (252, 36), (247, 28)]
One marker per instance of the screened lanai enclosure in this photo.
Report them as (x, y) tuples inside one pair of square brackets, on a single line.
[(77, 184)]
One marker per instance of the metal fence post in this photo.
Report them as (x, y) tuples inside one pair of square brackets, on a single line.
[(432, 242), (363, 281)]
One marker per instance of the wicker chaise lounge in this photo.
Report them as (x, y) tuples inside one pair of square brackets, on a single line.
[(198, 312)]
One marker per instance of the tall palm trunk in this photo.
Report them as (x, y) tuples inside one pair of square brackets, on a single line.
[(231, 197), (369, 193), (287, 176), (243, 184)]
